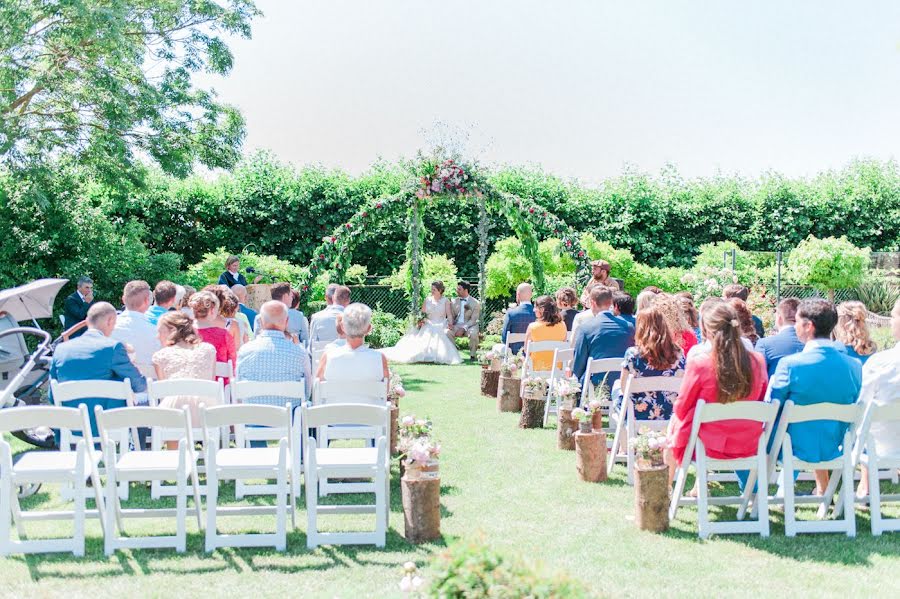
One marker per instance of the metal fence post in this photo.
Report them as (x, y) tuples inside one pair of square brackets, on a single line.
[(778, 279)]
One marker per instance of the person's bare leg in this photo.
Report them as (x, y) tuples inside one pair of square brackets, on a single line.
[(821, 481), (863, 488)]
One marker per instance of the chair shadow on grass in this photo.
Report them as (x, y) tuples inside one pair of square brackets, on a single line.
[(834, 548)]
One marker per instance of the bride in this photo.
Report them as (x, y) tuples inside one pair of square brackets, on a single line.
[(428, 343)]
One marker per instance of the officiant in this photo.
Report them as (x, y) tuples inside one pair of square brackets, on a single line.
[(466, 312)]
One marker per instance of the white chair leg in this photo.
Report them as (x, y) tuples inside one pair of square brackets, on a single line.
[(617, 440), (787, 473), (702, 490), (112, 514), (78, 517), (875, 496), (6, 491), (181, 513), (312, 499), (380, 505), (847, 492), (680, 479), (212, 501), (281, 499), (762, 495), (195, 483), (828, 495)]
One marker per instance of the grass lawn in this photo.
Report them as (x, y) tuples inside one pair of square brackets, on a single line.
[(513, 488)]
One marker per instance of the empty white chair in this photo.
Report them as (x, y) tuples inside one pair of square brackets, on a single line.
[(512, 338), (244, 462), (212, 393), (109, 394), (840, 467), (155, 464), (562, 361), (321, 463), (265, 393), (867, 454), (64, 466), (625, 424), (752, 411)]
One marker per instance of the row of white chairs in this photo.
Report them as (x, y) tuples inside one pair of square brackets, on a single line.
[(123, 461)]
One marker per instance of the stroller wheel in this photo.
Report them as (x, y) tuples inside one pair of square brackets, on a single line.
[(41, 436), (28, 490)]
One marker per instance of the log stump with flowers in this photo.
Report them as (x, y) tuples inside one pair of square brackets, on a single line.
[(508, 387), (534, 401), (396, 391), (567, 390), (490, 373), (590, 446), (651, 481), (420, 485)]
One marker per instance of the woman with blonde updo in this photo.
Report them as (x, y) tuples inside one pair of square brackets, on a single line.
[(228, 307), (206, 311), (852, 331), (682, 334)]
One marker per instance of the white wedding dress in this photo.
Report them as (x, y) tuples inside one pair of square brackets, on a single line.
[(429, 343)]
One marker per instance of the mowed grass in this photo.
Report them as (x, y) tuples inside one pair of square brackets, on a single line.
[(510, 487)]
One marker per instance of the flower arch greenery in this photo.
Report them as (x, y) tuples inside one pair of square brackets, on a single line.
[(447, 177)]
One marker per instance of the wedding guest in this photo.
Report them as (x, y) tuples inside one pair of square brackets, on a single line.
[(548, 326), (298, 326), (645, 299), (881, 386), (743, 293), (729, 373), (681, 331), (322, 325), (748, 329), (600, 276), (132, 327), (516, 320), (297, 323), (76, 306), (272, 357), (186, 300), (184, 355), (821, 373), (603, 336), (228, 305), (180, 292), (785, 341), (206, 312), (852, 331), (686, 301), (466, 313), (567, 302), (654, 353), (623, 305), (341, 340), (356, 361), (249, 313), (164, 296), (706, 346)]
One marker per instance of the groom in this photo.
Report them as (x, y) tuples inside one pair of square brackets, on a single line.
[(466, 311)]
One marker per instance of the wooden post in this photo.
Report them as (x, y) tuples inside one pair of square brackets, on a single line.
[(532, 412), (489, 381), (257, 295), (597, 421), (508, 399), (651, 498), (590, 456), (395, 427), (565, 429), (420, 491)]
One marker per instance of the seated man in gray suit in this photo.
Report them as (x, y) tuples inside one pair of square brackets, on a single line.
[(603, 336), (466, 311), (323, 324)]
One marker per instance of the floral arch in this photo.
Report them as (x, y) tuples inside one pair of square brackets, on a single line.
[(448, 177)]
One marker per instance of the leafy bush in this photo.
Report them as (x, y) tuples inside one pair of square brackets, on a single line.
[(878, 294), (435, 267), (386, 329), (508, 266), (207, 271), (828, 264), (475, 570)]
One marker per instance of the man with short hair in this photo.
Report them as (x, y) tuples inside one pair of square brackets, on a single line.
[(785, 342), (323, 325), (623, 305), (96, 356), (600, 276), (603, 336), (240, 292), (132, 327), (516, 320), (820, 373), (76, 306), (272, 357), (742, 293), (297, 323), (466, 310), (164, 295)]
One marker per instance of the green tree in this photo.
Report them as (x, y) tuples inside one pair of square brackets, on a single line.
[(829, 264), (107, 81)]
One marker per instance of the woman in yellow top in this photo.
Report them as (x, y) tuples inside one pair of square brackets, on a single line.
[(549, 326)]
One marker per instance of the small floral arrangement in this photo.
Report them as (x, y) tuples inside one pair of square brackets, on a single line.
[(411, 581), (422, 319), (395, 386), (487, 358), (649, 447), (535, 385), (415, 440), (446, 177), (586, 413), (566, 386), (513, 365)]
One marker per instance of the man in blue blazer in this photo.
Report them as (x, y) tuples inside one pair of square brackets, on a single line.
[(821, 373), (785, 343), (96, 357), (603, 336), (517, 319)]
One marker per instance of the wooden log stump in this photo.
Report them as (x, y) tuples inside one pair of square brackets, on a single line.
[(590, 456), (395, 427), (597, 421), (532, 412), (508, 398), (651, 498), (420, 490), (565, 429), (257, 295), (489, 382)]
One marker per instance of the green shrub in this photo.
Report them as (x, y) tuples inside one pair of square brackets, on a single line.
[(878, 294), (435, 267), (507, 266), (386, 329), (207, 271), (828, 264)]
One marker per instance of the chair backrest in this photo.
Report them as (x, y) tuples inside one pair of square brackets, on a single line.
[(349, 413), (75, 390), (755, 411), (267, 422), (213, 390), (225, 370), (109, 421), (513, 338), (343, 392), (647, 384), (563, 356), (246, 391), (72, 419), (848, 413), (541, 346), (602, 365)]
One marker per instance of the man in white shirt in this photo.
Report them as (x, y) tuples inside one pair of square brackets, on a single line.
[(323, 326), (132, 327)]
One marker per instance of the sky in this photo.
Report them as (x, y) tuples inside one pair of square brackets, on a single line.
[(579, 88)]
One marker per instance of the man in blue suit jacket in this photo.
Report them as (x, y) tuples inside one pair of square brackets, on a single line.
[(96, 357), (603, 336), (517, 319), (821, 373), (785, 343)]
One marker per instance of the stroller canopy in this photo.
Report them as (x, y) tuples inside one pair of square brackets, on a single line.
[(34, 300)]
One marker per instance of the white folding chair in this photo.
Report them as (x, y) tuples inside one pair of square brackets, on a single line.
[(322, 463), (879, 465), (625, 424), (65, 466), (225, 370), (155, 464), (260, 393), (751, 411), (588, 392), (316, 351), (243, 463), (75, 393), (510, 339), (840, 467), (562, 361), (212, 393)]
